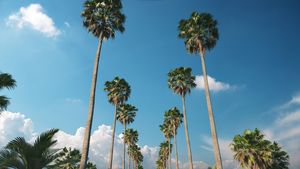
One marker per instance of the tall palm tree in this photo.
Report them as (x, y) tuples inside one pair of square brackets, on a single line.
[(251, 150), (19, 154), (118, 92), (200, 33), (6, 81), (131, 137), (181, 81), (103, 18), (135, 153), (174, 118), (166, 129), (125, 114)]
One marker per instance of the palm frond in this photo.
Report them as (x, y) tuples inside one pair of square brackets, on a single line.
[(4, 102), (6, 81)]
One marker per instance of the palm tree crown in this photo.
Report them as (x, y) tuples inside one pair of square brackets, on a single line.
[(118, 91), (131, 137), (126, 113), (103, 17), (181, 80), (174, 117), (251, 150), (22, 155), (199, 32), (166, 129), (6, 81)]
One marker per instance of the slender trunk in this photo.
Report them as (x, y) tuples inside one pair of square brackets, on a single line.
[(187, 135), (87, 132), (124, 146), (175, 144), (113, 139), (129, 162), (211, 116), (169, 140)]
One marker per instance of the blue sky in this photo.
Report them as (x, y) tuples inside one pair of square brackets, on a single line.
[(256, 59)]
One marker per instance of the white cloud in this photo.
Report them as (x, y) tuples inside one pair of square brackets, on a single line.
[(295, 101), (289, 118), (34, 17), (214, 85), (13, 125), (67, 24), (286, 129)]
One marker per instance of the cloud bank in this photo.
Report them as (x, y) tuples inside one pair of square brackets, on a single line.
[(285, 130), (34, 17), (14, 125)]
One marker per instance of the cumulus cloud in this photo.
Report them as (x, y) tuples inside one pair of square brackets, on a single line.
[(214, 85), (99, 145), (13, 125), (34, 17)]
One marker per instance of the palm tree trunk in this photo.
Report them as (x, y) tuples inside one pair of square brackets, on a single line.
[(187, 135), (211, 115), (129, 162), (175, 144), (87, 133), (113, 139), (169, 140), (124, 146)]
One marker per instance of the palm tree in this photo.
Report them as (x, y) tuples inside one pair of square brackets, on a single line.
[(125, 114), (69, 158), (6, 81), (181, 81), (103, 18), (118, 92), (135, 153), (163, 155), (200, 33), (174, 118), (251, 150), (131, 137), (166, 129), (19, 154)]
